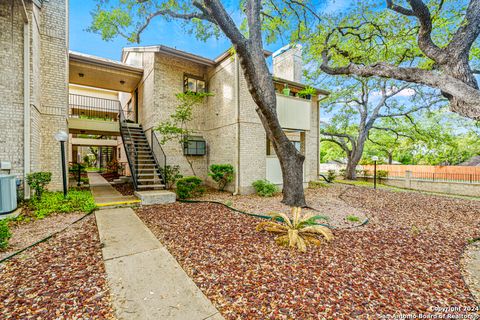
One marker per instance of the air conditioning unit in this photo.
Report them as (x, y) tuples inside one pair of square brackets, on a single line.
[(8, 193)]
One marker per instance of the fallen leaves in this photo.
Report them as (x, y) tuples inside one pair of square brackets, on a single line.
[(62, 278), (379, 269)]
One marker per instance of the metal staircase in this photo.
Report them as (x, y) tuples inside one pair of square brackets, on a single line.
[(146, 166)]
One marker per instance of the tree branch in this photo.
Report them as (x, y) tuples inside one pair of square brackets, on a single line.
[(468, 31), (399, 9), (173, 14), (341, 144)]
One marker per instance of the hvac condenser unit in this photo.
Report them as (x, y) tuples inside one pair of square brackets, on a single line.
[(8, 193)]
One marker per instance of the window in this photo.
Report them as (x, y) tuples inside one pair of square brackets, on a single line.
[(195, 146), (194, 84)]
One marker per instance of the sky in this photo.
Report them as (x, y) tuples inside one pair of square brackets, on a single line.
[(159, 32)]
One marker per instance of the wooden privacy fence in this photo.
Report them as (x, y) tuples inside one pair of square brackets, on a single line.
[(432, 173)]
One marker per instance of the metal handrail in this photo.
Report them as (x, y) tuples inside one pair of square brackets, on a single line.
[(93, 107), (154, 142), (127, 149)]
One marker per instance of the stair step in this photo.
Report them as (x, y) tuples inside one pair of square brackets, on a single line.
[(148, 180), (145, 186)]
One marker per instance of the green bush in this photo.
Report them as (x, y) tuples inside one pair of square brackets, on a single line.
[(331, 175), (264, 188), (54, 202), (5, 234), (38, 181), (189, 187), (222, 174), (171, 174), (382, 174)]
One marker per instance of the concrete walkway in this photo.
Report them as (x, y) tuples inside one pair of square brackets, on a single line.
[(106, 195), (145, 281)]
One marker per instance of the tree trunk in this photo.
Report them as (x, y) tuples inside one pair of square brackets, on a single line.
[(355, 156), (350, 173), (390, 158), (260, 85), (252, 60)]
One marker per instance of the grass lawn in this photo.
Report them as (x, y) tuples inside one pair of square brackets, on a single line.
[(406, 260)]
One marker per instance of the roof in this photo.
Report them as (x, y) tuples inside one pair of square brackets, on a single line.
[(299, 85), (473, 162), (183, 54), (83, 57)]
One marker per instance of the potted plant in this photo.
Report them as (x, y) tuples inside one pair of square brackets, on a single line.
[(286, 90), (307, 92)]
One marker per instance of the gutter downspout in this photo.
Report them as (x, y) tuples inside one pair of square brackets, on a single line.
[(318, 133), (237, 115), (26, 99)]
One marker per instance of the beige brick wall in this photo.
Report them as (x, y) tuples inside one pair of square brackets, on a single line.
[(11, 85), (216, 120), (48, 84), (54, 83)]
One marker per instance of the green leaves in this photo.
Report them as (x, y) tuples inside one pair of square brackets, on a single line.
[(177, 127), (222, 174)]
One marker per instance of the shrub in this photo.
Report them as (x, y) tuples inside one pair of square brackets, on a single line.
[(382, 174), (264, 188), (300, 231), (189, 187), (343, 172), (5, 234), (171, 174), (331, 175), (54, 202), (114, 167), (38, 181), (222, 174)]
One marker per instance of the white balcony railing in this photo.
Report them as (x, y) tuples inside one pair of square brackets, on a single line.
[(294, 113)]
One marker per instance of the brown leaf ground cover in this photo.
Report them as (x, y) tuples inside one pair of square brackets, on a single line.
[(328, 204), (385, 268), (27, 233), (62, 278)]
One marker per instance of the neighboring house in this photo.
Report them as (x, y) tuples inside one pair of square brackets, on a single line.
[(115, 106), (473, 162), (33, 85)]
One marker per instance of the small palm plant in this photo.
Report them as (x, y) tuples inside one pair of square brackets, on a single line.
[(296, 232)]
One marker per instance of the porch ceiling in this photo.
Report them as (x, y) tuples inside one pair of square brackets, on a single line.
[(102, 73)]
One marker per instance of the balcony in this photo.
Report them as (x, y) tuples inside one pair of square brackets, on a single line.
[(93, 115), (294, 113)]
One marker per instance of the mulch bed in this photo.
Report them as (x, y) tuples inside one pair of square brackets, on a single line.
[(384, 268), (110, 176), (126, 189), (62, 278), (26, 233), (322, 201)]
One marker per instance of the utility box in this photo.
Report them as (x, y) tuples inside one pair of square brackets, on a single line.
[(5, 165), (8, 193)]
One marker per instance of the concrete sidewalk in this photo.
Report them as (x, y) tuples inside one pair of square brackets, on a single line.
[(145, 281), (106, 195)]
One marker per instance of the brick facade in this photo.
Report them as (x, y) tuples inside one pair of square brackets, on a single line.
[(227, 120), (48, 42)]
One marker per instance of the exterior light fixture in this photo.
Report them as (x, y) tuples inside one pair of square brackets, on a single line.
[(81, 75), (122, 82), (61, 136), (375, 159)]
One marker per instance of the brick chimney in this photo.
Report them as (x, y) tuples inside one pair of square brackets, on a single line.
[(287, 63)]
